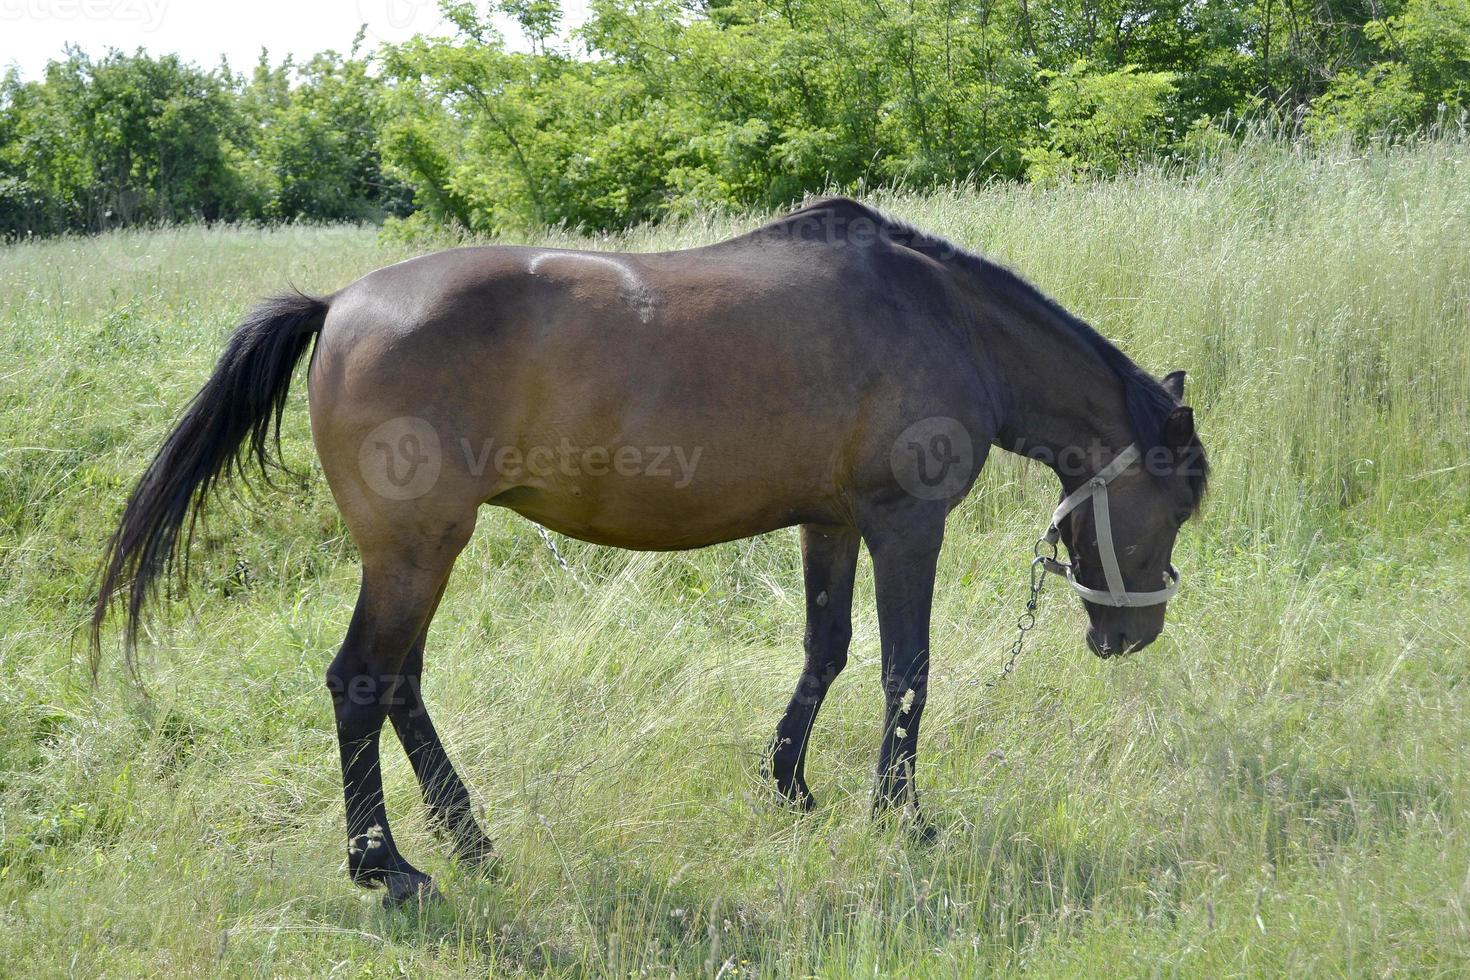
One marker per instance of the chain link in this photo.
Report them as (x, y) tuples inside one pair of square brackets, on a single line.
[(1026, 622), (560, 558)]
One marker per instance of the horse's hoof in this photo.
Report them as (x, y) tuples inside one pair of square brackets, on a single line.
[(407, 889), (908, 820), (795, 801), (481, 858), (921, 832), (792, 792), (796, 797)]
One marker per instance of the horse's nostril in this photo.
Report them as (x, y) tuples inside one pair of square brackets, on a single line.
[(1101, 644)]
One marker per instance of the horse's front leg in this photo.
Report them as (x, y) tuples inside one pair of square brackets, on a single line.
[(829, 563), (904, 540)]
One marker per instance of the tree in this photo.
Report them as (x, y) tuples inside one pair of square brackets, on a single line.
[(1100, 121), (316, 153), (1421, 69)]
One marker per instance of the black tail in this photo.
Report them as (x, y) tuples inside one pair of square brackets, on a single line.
[(241, 402)]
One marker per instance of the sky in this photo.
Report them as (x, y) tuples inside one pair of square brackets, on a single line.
[(34, 31)]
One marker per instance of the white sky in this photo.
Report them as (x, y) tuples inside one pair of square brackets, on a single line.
[(33, 31)]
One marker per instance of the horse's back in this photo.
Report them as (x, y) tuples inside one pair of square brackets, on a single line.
[(719, 391)]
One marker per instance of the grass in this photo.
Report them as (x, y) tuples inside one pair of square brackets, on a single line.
[(1278, 786)]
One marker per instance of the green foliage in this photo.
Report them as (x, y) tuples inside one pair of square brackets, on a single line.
[(1422, 74), (316, 149), (493, 139), (1432, 39), (666, 108), (1378, 101), (135, 140), (1100, 121), (741, 104), (675, 107), (124, 140)]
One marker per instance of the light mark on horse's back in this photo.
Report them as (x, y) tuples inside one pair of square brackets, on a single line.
[(634, 290)]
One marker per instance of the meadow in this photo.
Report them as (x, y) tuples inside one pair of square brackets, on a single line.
[(1278, 786)]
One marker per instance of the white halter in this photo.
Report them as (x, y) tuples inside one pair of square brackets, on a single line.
[(1097, 489)]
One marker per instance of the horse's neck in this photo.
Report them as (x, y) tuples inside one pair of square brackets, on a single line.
[(1064, 405)]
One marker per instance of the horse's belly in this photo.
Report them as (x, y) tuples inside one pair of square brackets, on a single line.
[(660, 518)]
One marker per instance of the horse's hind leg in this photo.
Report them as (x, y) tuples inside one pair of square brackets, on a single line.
[(444, 792), (403, 575), (829, 563)]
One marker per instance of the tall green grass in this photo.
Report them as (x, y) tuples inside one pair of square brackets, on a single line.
[(1278, 786)]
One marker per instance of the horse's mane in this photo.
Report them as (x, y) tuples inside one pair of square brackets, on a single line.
[(1148, 403)]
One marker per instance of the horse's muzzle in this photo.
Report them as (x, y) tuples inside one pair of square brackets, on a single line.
[(1115, 643)]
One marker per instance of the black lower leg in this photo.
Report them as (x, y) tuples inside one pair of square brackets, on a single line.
[(829, 562), (362, 679), (905, 688), (444, 792), (372, 855), (905, 547)]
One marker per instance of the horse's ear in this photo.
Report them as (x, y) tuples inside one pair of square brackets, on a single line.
[(1179, 428), (1174, 384)]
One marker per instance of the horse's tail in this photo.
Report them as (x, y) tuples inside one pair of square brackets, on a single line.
[(236, 416)]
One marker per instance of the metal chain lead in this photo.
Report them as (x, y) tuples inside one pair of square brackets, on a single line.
[(1027, 620), (1025, 623), (560, 558)]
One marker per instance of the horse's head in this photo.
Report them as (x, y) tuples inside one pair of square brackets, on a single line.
[(1120, 533)]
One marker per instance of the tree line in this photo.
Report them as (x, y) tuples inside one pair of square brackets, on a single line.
[(663, 107)]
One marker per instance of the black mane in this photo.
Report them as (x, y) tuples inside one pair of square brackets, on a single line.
[(1148, 403)]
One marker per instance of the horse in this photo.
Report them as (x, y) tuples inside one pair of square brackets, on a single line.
[(835, 369)]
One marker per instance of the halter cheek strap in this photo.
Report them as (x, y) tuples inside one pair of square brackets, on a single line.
[(1096, 489)]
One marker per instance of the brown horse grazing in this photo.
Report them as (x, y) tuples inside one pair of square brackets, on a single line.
[(835, 370)]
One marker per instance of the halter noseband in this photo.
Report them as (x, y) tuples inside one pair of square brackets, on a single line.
[(1097, 489)]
